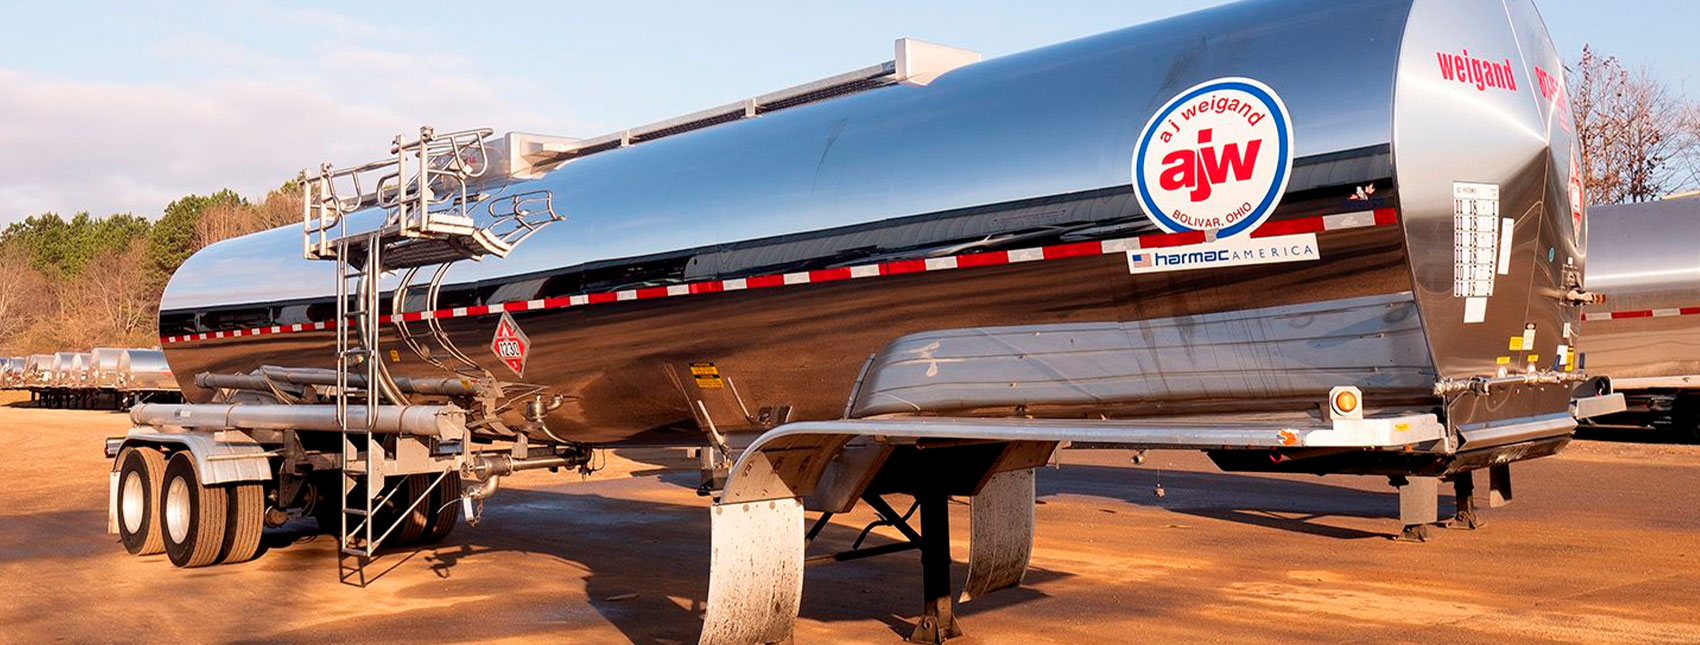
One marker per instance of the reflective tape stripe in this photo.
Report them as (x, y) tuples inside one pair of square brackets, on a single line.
[(1339, 221), (1642, 313)]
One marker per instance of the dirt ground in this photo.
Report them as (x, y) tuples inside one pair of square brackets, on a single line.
[(1602, 545)]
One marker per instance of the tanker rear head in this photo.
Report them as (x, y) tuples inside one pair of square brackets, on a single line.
[(1491, 199)]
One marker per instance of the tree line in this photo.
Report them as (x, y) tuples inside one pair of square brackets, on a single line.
[(83, 281)]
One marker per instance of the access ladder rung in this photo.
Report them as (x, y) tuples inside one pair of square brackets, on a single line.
[(356, 511), (356, 551)]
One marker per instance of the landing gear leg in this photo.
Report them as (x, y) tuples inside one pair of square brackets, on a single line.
[(1419, 506), (938, 613), (1464, 491), (1499, 485)]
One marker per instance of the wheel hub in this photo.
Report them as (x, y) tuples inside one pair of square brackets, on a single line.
[(130, 508), (177, 510)]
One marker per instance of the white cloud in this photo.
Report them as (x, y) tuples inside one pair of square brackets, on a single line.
[(250, 120)]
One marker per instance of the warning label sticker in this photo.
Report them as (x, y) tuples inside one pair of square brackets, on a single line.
[(707, 376), (510, 344)]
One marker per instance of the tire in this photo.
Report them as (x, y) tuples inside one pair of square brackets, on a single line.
[(193, 516), (444, 510), (413, 525), (140, 473), (245, 518), (1685, 418), (327, 502), (389, 524)]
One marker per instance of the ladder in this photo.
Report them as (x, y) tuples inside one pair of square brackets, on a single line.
[(413, 209), (362, 451)]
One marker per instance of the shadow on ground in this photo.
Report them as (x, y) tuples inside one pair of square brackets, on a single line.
[(1661, 434), (647, 563), (1270, 502)]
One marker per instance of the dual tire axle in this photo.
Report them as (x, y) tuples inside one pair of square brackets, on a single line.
[(163, 507)]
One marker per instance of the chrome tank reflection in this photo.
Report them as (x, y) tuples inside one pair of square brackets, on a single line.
[(1453, 132), (1019, 155), (1643, 257)]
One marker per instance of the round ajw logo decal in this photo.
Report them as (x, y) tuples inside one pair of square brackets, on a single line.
[(1215, 157)]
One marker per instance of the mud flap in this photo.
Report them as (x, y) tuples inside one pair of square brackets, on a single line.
[(755, 583), (1001, 528)]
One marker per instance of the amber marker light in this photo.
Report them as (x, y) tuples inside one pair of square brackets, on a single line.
[(1345, 401)]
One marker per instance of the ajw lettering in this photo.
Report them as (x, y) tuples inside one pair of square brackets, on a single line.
[(1199, 170)]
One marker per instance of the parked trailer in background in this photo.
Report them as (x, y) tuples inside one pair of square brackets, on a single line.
[(145, 376), (101, 377), (12, 373), (103, 372), (1646, 336), (38, 370), (1278, 232), (62, 387), (68, 381)]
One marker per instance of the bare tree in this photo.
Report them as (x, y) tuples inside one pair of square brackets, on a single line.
[(22, 293), (1637, 135), (234, 219), (115, 298)]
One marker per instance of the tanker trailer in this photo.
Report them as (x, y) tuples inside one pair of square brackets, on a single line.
[(103, 374), (1300, 236), (1646, 335), (38, 370), (79, 380), (12, 373), (60, 387), (144, 375)]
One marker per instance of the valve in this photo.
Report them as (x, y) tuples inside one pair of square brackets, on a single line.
[(1577, 297)]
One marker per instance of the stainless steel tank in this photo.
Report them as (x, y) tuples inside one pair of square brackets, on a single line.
[(1646, 335), (1018, 237), (103, 371), (38, 370), (12, 372), (65, 371), (1645, 258), (144, 370)]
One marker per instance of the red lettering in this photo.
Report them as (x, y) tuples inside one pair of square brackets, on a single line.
[(1200, 170), (1232, 161), (1479, 72), (1178, 169)]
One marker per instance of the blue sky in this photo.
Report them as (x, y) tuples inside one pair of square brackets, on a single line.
[(120, 106)]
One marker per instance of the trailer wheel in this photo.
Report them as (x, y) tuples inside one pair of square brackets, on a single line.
[(390, 522), (245, 515), (140, 473), (444, 510), (418, 519), (192, 515), (1684, 417), (327, 501)]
